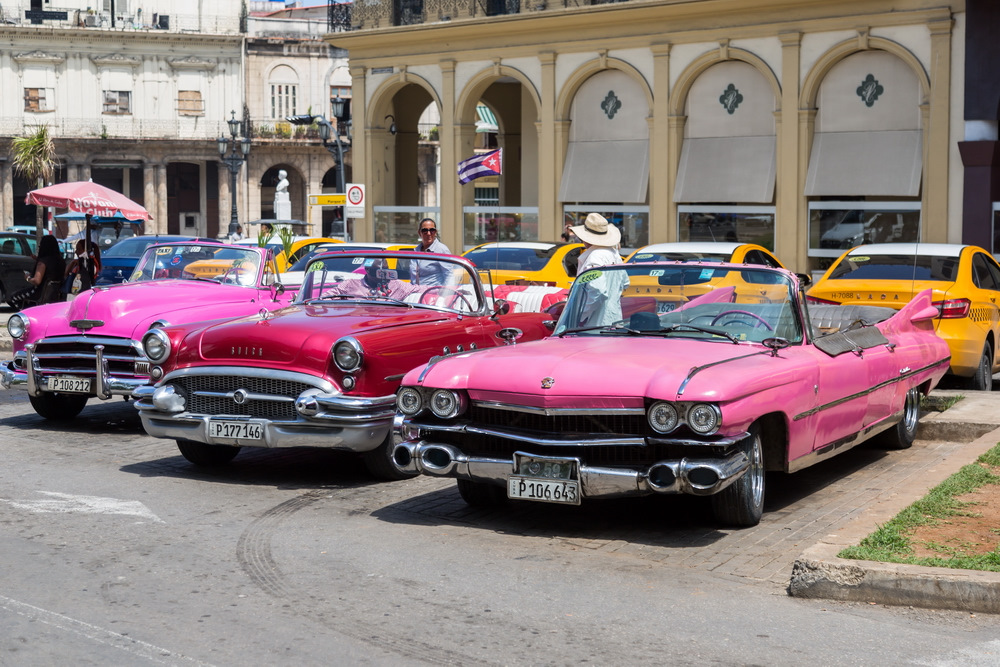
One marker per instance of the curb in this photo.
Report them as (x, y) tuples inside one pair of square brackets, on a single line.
[(819, 573)]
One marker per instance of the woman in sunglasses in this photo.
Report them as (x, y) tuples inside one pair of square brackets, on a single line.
[(429, 272)]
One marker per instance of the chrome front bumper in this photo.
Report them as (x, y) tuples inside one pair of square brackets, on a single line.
[(331, 421), (33, 378), (695, 476)]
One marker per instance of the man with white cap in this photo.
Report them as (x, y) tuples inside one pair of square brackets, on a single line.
[(603, 302)]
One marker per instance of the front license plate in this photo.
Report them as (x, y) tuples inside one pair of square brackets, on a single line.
[(235, 429), (544, 490), (69, 384)]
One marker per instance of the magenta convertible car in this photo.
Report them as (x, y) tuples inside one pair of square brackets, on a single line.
[(671, 378), (66, 353)]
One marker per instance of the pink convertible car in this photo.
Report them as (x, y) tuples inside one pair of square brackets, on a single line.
[(671, 378), (66, 353)]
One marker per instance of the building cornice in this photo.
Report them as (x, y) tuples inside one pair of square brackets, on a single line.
[(192, 63), (627, 25), (116, 60), (39, 58)]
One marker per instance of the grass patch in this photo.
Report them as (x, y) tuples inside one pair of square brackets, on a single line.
[(890, 543), (938, 403)]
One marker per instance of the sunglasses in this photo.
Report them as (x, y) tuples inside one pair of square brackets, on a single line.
[(428, 230)]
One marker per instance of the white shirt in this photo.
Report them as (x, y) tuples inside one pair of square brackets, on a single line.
[(597, 255)]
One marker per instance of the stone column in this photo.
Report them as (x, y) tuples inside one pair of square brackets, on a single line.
[(791, 222), (937, 142), (162, 223), (661, 226), (551, 153), (149, 197)]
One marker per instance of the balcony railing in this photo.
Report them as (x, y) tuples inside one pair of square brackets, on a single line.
[(117, 127), (375, 15), (62, 17)]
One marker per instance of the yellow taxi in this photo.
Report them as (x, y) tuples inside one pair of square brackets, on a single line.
[(965, 281), (526, 262), (301, 248), (703, 280)]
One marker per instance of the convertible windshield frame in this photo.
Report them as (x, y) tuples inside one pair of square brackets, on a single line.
[(462, 293), (707, 300)]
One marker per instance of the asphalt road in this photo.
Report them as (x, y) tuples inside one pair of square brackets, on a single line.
[(115, 550)]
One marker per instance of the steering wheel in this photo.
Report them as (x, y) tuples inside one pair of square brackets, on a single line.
[(445, 290), (232, 275), (760, 320)]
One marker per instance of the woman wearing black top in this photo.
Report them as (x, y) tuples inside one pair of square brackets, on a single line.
[(47, 278)]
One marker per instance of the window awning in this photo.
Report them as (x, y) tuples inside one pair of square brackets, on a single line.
[(606, 171), (727, 169), (487, 120), (881, 163)]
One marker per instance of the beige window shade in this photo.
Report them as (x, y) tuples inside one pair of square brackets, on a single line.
[(606, 171), (881, 163), (727, 169)]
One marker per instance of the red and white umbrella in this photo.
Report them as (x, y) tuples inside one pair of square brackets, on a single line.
[(87, 197)]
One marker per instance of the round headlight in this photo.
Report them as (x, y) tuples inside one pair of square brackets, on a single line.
[(704, 418), (17, 326), (446, 404), (348, 355), (156, 345), (662, 417), (409, 401)]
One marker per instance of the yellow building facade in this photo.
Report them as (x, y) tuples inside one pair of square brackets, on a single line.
[(805, 126)]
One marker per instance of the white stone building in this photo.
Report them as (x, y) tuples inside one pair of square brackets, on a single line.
[(136, 93)]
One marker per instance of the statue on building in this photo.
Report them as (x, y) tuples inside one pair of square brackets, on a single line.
[(282, 204)]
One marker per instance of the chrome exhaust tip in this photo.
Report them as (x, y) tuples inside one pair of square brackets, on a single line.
[(403, 457), (662, 477)]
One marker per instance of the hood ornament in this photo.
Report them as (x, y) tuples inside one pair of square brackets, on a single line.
[(547, 382)]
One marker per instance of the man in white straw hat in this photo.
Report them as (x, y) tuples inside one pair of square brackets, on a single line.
[(602, 304), (601, 238)]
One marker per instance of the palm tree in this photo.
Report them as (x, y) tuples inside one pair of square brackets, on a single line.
[(34, 158)]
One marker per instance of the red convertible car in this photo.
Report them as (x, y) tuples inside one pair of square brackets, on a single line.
[(712, 375), (324, 371)]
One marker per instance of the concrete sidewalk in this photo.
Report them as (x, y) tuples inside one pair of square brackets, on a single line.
[(819, 573)]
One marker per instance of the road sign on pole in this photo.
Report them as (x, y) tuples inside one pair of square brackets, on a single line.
[(355, 206), (327, 200)]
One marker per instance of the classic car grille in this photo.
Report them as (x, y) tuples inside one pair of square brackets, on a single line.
[(281, 408), (573, 429), (622, 425), (76, 355)]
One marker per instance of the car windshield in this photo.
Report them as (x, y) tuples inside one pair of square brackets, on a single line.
[(130, 247), (674, 256), (707, 301), (869, 266), (508, 258), (192, 261), (387, 277)]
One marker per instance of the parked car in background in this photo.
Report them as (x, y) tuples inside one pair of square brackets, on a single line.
[(118, 262), (323, 372), (706, 251), (16, 257), (526, 262), (66, 353), (293, 275), (696, 392), (965, 283)]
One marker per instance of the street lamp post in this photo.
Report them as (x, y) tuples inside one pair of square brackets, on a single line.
[(341, 112), (341, 136), (234, 160)]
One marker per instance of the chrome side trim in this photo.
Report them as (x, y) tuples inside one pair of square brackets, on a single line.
[(862, 394)]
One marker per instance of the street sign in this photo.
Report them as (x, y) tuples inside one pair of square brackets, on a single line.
[(355, 206), (327, 200)]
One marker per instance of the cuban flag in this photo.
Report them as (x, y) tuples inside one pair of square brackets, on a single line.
[(487, 164)]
